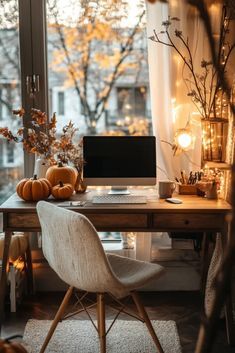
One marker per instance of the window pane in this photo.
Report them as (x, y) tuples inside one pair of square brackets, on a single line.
[(11, 153), (98, 71), (60, 103)]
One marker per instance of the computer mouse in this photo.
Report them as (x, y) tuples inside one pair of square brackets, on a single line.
[(173, 200)]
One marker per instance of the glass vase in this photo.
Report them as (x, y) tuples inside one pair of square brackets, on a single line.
[(80, 186), (41, 166), (214, 138)]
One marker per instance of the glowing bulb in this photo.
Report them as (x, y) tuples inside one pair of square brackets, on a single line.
[(127, 119), (184, 140), (127, 106)]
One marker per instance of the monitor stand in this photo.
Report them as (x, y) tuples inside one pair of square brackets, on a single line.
[(119, 190)]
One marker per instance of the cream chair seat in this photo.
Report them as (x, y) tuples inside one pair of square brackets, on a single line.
[(73, 249)]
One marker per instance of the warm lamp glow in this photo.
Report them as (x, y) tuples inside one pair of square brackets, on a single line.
[(184, 139)]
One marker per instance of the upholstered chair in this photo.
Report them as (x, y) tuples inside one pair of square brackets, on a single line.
[(73, 249)]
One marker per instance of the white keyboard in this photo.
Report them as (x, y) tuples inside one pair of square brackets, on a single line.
[(119, 199)]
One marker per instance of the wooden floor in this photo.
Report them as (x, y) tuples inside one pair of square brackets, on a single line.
[(183, 307)]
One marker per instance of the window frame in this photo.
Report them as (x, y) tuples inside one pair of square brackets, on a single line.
[(33, 59)]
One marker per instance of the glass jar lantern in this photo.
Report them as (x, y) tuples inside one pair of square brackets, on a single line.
[(214, 137)]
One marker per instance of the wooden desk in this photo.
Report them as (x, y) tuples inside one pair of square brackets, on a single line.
[(194, 214)]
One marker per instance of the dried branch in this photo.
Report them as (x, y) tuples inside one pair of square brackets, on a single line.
[(204, 14), (204, 86)]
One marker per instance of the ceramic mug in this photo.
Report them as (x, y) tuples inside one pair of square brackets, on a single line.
[(166, 188)]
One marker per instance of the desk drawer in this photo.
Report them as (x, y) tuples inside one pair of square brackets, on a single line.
[(119, 221), (110, 221), (23, 221), (188, 222)]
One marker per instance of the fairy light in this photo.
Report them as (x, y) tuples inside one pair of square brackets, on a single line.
[(127, 119)]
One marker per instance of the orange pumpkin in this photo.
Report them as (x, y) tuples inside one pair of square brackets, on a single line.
[(62, 191), (33, 189), (11, 347), (57, 173)]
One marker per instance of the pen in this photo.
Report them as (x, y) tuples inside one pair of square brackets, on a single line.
[(190, 177), (183, 176)]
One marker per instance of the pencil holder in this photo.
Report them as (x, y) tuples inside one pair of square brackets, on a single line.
[(185, 189)]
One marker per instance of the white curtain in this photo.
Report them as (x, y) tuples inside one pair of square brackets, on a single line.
[(170, 105)]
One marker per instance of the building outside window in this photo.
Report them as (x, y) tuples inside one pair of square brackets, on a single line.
[(10, 153), (132, 101), (61, 101), (1, 117), (1, 153)]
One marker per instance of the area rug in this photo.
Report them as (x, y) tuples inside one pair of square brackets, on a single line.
[(77, 336)]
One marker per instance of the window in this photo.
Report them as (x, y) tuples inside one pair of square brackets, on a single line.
[(90, 52), (132, 116), (1, 153), (11, 159), (60, 109), (10, 153), (1, 117), (131, 101)]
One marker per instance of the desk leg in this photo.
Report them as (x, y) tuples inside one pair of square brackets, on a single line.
[(29, 268), (143, 246), (228, 308), (3, 280)]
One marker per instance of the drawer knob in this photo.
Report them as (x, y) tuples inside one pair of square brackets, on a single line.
[(186, 221)]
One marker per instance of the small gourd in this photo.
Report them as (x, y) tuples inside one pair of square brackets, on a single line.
[(33, 189), (62, 191), (66, 174)]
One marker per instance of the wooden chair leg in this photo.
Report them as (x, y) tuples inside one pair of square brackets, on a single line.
[(101, 321), (205, 262), (57, 318), (145, 317)]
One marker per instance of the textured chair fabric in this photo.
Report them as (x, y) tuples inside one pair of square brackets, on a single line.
[(73, 249)]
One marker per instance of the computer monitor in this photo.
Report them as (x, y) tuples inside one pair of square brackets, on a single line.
[(119, 161)]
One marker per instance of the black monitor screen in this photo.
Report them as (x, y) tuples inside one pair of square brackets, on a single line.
[(119, 156)]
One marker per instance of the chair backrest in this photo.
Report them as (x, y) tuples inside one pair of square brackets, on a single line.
[(73, 249)]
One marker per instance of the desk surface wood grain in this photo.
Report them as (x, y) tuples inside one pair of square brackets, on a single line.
[(194, 214), (191, 203)]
